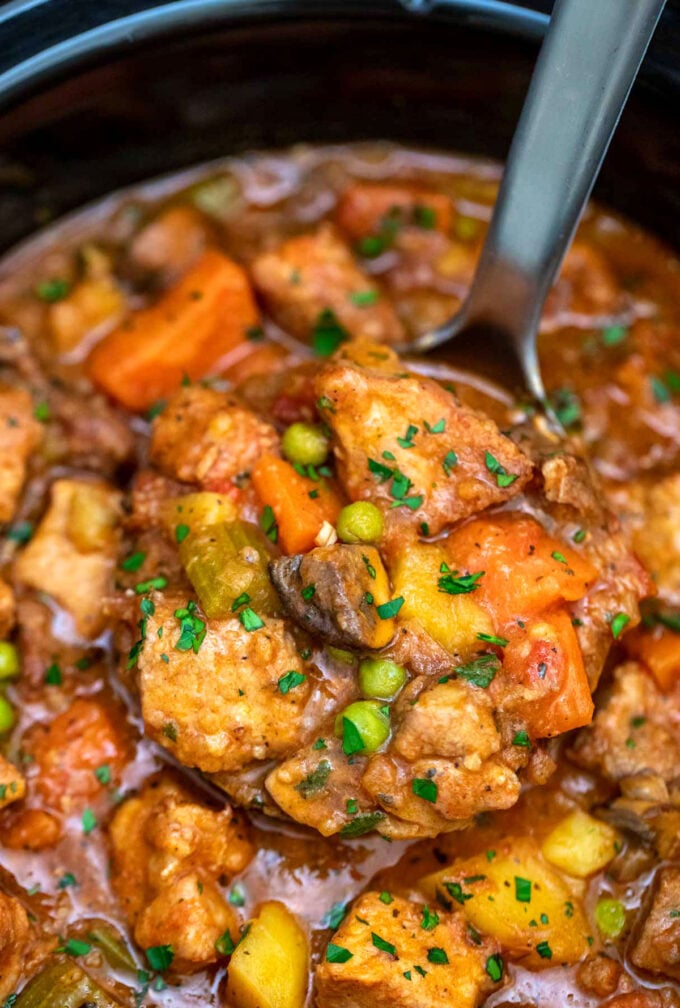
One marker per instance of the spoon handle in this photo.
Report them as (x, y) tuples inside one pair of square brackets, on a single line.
[(586, 67)]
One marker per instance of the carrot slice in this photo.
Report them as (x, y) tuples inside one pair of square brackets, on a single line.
[(525, 569), (545, 661), (299, 517), (363, 208), (188, 331), (659, 650)]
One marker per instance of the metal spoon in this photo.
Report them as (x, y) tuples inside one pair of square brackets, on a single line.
[(586, 67)]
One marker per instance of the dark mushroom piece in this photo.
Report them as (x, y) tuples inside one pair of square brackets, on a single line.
[(338, 592)]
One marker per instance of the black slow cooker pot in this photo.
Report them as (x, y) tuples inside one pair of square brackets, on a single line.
[(94, 96)]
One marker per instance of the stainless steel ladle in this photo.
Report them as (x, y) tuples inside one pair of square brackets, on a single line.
[(586, 67)]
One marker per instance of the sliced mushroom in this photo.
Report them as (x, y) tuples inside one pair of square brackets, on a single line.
[(337, 592)]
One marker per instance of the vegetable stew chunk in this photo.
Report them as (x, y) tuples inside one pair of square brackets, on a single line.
[(208, 437), (20, 435), (636, 730), (188, 331), (73, 553), (12, 783), (316, 291), (410, 447), (168, 854), (390, 952), (238, 696), (18, 951), (657, 945)]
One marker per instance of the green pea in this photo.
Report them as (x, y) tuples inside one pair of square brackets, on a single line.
[(370, 726), (9, 661), (610, 917), (381, 678), (6, 715), (305, 444), (360, 522)]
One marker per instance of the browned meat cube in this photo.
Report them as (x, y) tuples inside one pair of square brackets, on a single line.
[(403, 954), (657, 945), (410, 447), (170, 857), (19, 434), (636, 731), (222, 706), (208, 437), (315, 273)]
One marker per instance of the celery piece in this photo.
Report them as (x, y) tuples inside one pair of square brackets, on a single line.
[(63, 984), (227, 563)]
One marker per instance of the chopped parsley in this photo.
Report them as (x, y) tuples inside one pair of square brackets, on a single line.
[(328, 333), (88, 821), (67, 880), (481, 671), (315, 780), (181, 532), (308, 592), (521, 738), (618, 623), (352, 742), (362, 824), (319, 744), (53, 290), (41, 412), (459, 584), (437, 428), (240, 600), (103, 774), (170, 731), (20, 533), (337, 954), (364, 298), (386, 897), (268, 523), (383, 945), (544, 950), (407, 440), (438, 956), (153, 584), (579, 535), (225, 944), (53, 675), (424, 788), (290, 680), (249, 620), (430, 919), (494, 967), (566, 407), (390, 609), (613, 335), (522, 889), (134, 561), (503, 477), (493, 639), (75, 947), (192, 629), (334, 917), (325, 403), (450, 462), (159, 957)]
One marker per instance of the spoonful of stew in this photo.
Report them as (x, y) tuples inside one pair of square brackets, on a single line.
[(584, 73)]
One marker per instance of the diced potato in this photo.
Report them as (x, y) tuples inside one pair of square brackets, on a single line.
[(580, 844), (514, 896), (92, 517), (196, 510), (270, 964), (91, 304), (12, 783), (454, 621)]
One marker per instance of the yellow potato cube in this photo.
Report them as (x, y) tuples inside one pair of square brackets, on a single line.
[(454, 621), (269, 968), (196, 510), (581, 845), (512, 895)]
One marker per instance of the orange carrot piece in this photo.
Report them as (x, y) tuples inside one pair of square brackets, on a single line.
[(188, 331), (545, 660), (299, 517), (659, 650), (525, 569), (363, 207)]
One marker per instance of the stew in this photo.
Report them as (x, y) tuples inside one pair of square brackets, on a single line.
[(330, 675)]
